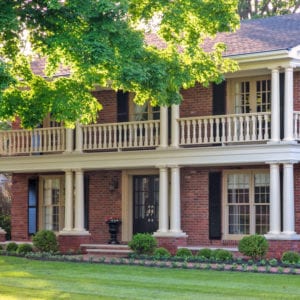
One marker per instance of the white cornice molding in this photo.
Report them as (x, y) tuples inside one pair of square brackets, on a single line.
[(231, 155)]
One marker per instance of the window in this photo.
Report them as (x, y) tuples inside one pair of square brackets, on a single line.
[(144, 112), (52, 208), (247, 198), (250, 95)]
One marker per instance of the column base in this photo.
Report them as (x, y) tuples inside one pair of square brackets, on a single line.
[(70, 241), (283, 236), (171, 241), (170, 234)]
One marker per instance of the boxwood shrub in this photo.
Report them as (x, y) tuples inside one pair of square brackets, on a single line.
[(45, 241), (184, 252), (143, 243), (254, 246), (290, 257)]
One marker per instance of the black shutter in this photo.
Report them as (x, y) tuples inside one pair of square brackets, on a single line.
[(86, 201), (281, 98), (32, 205), (219, 98), (122, 106), (215, 194)]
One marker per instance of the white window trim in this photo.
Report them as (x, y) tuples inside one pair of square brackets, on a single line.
[(251, 172)]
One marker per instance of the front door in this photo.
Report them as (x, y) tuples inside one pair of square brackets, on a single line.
[(145, 203)]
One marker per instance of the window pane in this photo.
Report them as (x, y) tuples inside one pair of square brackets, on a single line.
[(262, 219), (239, 219), (262, 188), (238, 188)]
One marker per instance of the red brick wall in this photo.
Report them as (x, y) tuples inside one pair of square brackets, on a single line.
[(297, 91), (108, 99), (19, 208), (197, 101), (103, 203), (72, 243)]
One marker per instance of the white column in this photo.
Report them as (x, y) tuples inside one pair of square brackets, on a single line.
[(69, 140), (79, 137), (288, 105), (275, 227), (68, 200), (175, 224), (175, 125), (288, 199), (79, 201), (163, 200), (275, 107), (163, 126)]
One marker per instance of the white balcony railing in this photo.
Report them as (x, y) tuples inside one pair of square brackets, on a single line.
[(40, 140), (238, 128), (139, 134)]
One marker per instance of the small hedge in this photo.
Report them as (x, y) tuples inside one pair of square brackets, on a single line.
[(11, 247), (161, 253), (222, 255), (143, 243), (205, 252), (45, 241), (184, 252), (254, 246), (290, 257), (24, 248)]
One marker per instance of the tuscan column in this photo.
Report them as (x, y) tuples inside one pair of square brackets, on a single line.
[(175, 125), (79, 137), (175, 226), (288, 199), (275, 227), (163, 127), (163, 200), (68, 200), (288, 105), (79, 201), (275, 107)]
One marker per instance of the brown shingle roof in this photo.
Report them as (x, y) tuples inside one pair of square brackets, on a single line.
[(261, 35)]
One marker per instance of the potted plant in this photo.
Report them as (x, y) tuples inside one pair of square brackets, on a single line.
[(113, 228)]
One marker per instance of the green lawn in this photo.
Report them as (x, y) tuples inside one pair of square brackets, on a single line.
[(26, 279)]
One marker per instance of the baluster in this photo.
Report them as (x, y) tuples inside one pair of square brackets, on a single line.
[(266, 126), (152, 128), (89, 139), (110, 136), (211, 127), (58, 143), (140, 134), (182, 129), (119, 142), (100, 137), (125, 128), (157, 130), (104, 137), (254, 131), (194, 132), (135, 135), (130, 142), (205, 131), (223, 139), (259, 127), (247, 135), (199, 139), (95, 137), (241, 125), (115, 136), (235, 130), (217, 138), (49, 133), (230, 131), (22, 143), (188, 129), (146, 141)]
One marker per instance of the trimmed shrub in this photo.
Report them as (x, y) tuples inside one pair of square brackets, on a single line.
[(161, 252), (222, 255), (143, 243), (205, 252), (184, 252), (254, 246), (45, 241), (290, 257), (11, 247), (24, 248), (5, 224)]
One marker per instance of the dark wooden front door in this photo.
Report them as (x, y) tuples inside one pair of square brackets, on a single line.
[(145, 203)]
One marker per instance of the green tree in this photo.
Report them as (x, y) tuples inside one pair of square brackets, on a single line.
[(249, 9), (103, 43)]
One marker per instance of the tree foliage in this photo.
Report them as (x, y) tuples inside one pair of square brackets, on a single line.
[(249, 9), (103, 43)]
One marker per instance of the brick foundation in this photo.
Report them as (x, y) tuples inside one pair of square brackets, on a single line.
[(172, 243), (2, 236), (278, 247), (72, 243)]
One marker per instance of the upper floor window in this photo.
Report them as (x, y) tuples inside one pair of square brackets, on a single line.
[(250, 95), (246, 203), (144, 112)]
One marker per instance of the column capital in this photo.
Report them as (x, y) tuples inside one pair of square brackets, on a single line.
[(174, 166), (290, 162), (161, 166)]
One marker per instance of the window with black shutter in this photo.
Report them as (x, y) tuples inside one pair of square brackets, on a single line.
[(122, 106), (32, 205)]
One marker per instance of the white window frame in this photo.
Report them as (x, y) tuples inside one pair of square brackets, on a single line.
[(61, 204), (231, 92), (136, 112), (225, 205)]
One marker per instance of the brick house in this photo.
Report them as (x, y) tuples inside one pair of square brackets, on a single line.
[(223, 164)]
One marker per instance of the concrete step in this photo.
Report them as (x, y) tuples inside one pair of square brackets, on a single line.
[(107, 250)]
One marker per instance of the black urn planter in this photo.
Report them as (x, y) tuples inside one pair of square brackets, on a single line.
[(113, 228)]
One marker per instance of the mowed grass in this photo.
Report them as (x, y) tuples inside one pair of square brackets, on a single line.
[(28, 279)]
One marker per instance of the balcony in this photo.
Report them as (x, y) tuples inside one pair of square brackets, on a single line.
[(218, 130)]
